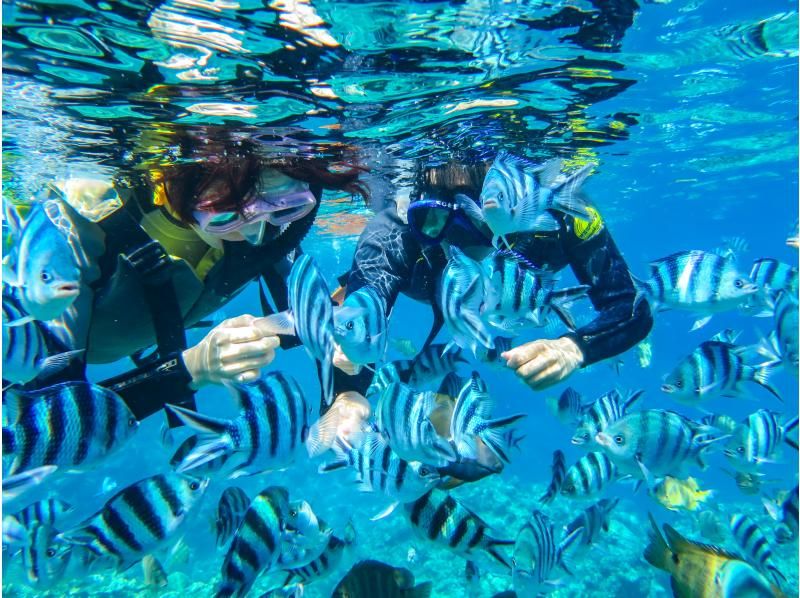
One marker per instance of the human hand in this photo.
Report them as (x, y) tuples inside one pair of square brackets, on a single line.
[(341, 361), (543, 363), (234, 351)]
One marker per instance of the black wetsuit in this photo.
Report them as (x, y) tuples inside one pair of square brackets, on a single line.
[(389, 258)]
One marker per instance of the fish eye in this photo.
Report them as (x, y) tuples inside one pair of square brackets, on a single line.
[(423, 471), (293, 513), (194, 485), (619, 439), (46, 276), (740, 450), (132, 422), (500, 196), (739, 283), (51, 552), (349, 325)]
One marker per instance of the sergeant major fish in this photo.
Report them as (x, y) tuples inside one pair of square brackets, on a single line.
[(786, 515), (589, 476), (517, 195), (591, 522), (537, 554), (559, 472), (72, 425), (597, 416), (270, 429), (140, 518), (438, 517), (715, 368), (755, 545), (757, 439), (45, 269), (361, 327), (568, 407), (230, 511), (44, 558), (697, 281)]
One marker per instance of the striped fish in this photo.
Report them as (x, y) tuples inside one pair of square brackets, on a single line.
[(73, 424), (724, 423), (771, 276), (402, 417), (396, 371), (757, 440), (186, 447), (654, 442), (471, 420), (230, 511), (596, 417), (451, 385), (568, 407), (786, 515), (517, 195), (140, 518), (257, 543), (438, 517), (592, 521), (43, 512), (697, 281), (361, 327), (379, 469), (461, 295), (433, 362), (519, 295), (589, 476), (25, 353), (786, 327), (559, 474), (537, 554), (268, 433), (312, 312), (327, 562), (45, 558), (755, 546), (715, 369)]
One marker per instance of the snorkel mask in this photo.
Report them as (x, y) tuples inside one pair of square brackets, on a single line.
[(433, 220), (277, 200)]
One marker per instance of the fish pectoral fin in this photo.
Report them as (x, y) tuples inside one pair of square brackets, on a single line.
[(386, 512), (698, 324), (19, 321)]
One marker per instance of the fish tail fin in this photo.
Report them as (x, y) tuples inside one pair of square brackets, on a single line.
[(657, 552), (561, 300), (492, 550), (773, 509), (569, 540), (212, 442), (322, 434), (631, 399), (493, 435), (761, 375), (642, 288), (788, 427), (567, 197), (559, 472), (198, 421)]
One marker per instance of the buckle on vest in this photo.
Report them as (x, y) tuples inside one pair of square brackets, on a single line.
[(151, 262)]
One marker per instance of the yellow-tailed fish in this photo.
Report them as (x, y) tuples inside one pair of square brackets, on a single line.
[(678, 495)]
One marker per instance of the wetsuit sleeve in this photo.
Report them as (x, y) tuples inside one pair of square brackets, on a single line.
[(384, 257), (597, 262)]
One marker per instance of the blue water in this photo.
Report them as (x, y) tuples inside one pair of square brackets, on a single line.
[(710, 153)]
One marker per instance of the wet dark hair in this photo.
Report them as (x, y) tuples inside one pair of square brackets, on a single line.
[(445, 181), (238, 167)]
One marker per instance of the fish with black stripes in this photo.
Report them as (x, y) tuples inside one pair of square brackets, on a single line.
[(231, 508), (268, 433), (402, 417), (559, 473), (519, 295), (434, 362), (757, 440), (379, 469), (187, 446), (517, 195), (591, 521), (567, 407), (537, 554), (44, 557), (755, 546), (589, 476), (472, 419), (698, 281), (373, 579), (394, 371), (360, 327), (598, 415), (653, 443), (140, 518), (331, 557), (48, 511), (772, 276), (438, 517), (73, 425), (785, 513), (715, 369)]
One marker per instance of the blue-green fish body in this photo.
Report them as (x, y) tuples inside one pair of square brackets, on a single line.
[(757, 440), (517, 195), (589, 476), (715, 368), (438, 517), (433, 362), (597, 416), (786, 330), (231, 508), (327, 562), (772, 276), (44, 557), (697, 281), (361, 327), (591, 522), (46, 512), (140, 518), (73, 425), (786, 516), (46, 267), (755, 545), (268, 433), (537, 554)]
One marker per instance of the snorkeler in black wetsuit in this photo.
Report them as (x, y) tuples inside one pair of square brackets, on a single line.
[(391, 257)]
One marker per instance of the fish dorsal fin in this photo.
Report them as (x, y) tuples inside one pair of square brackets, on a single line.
[(549, 172), (679, 544)]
